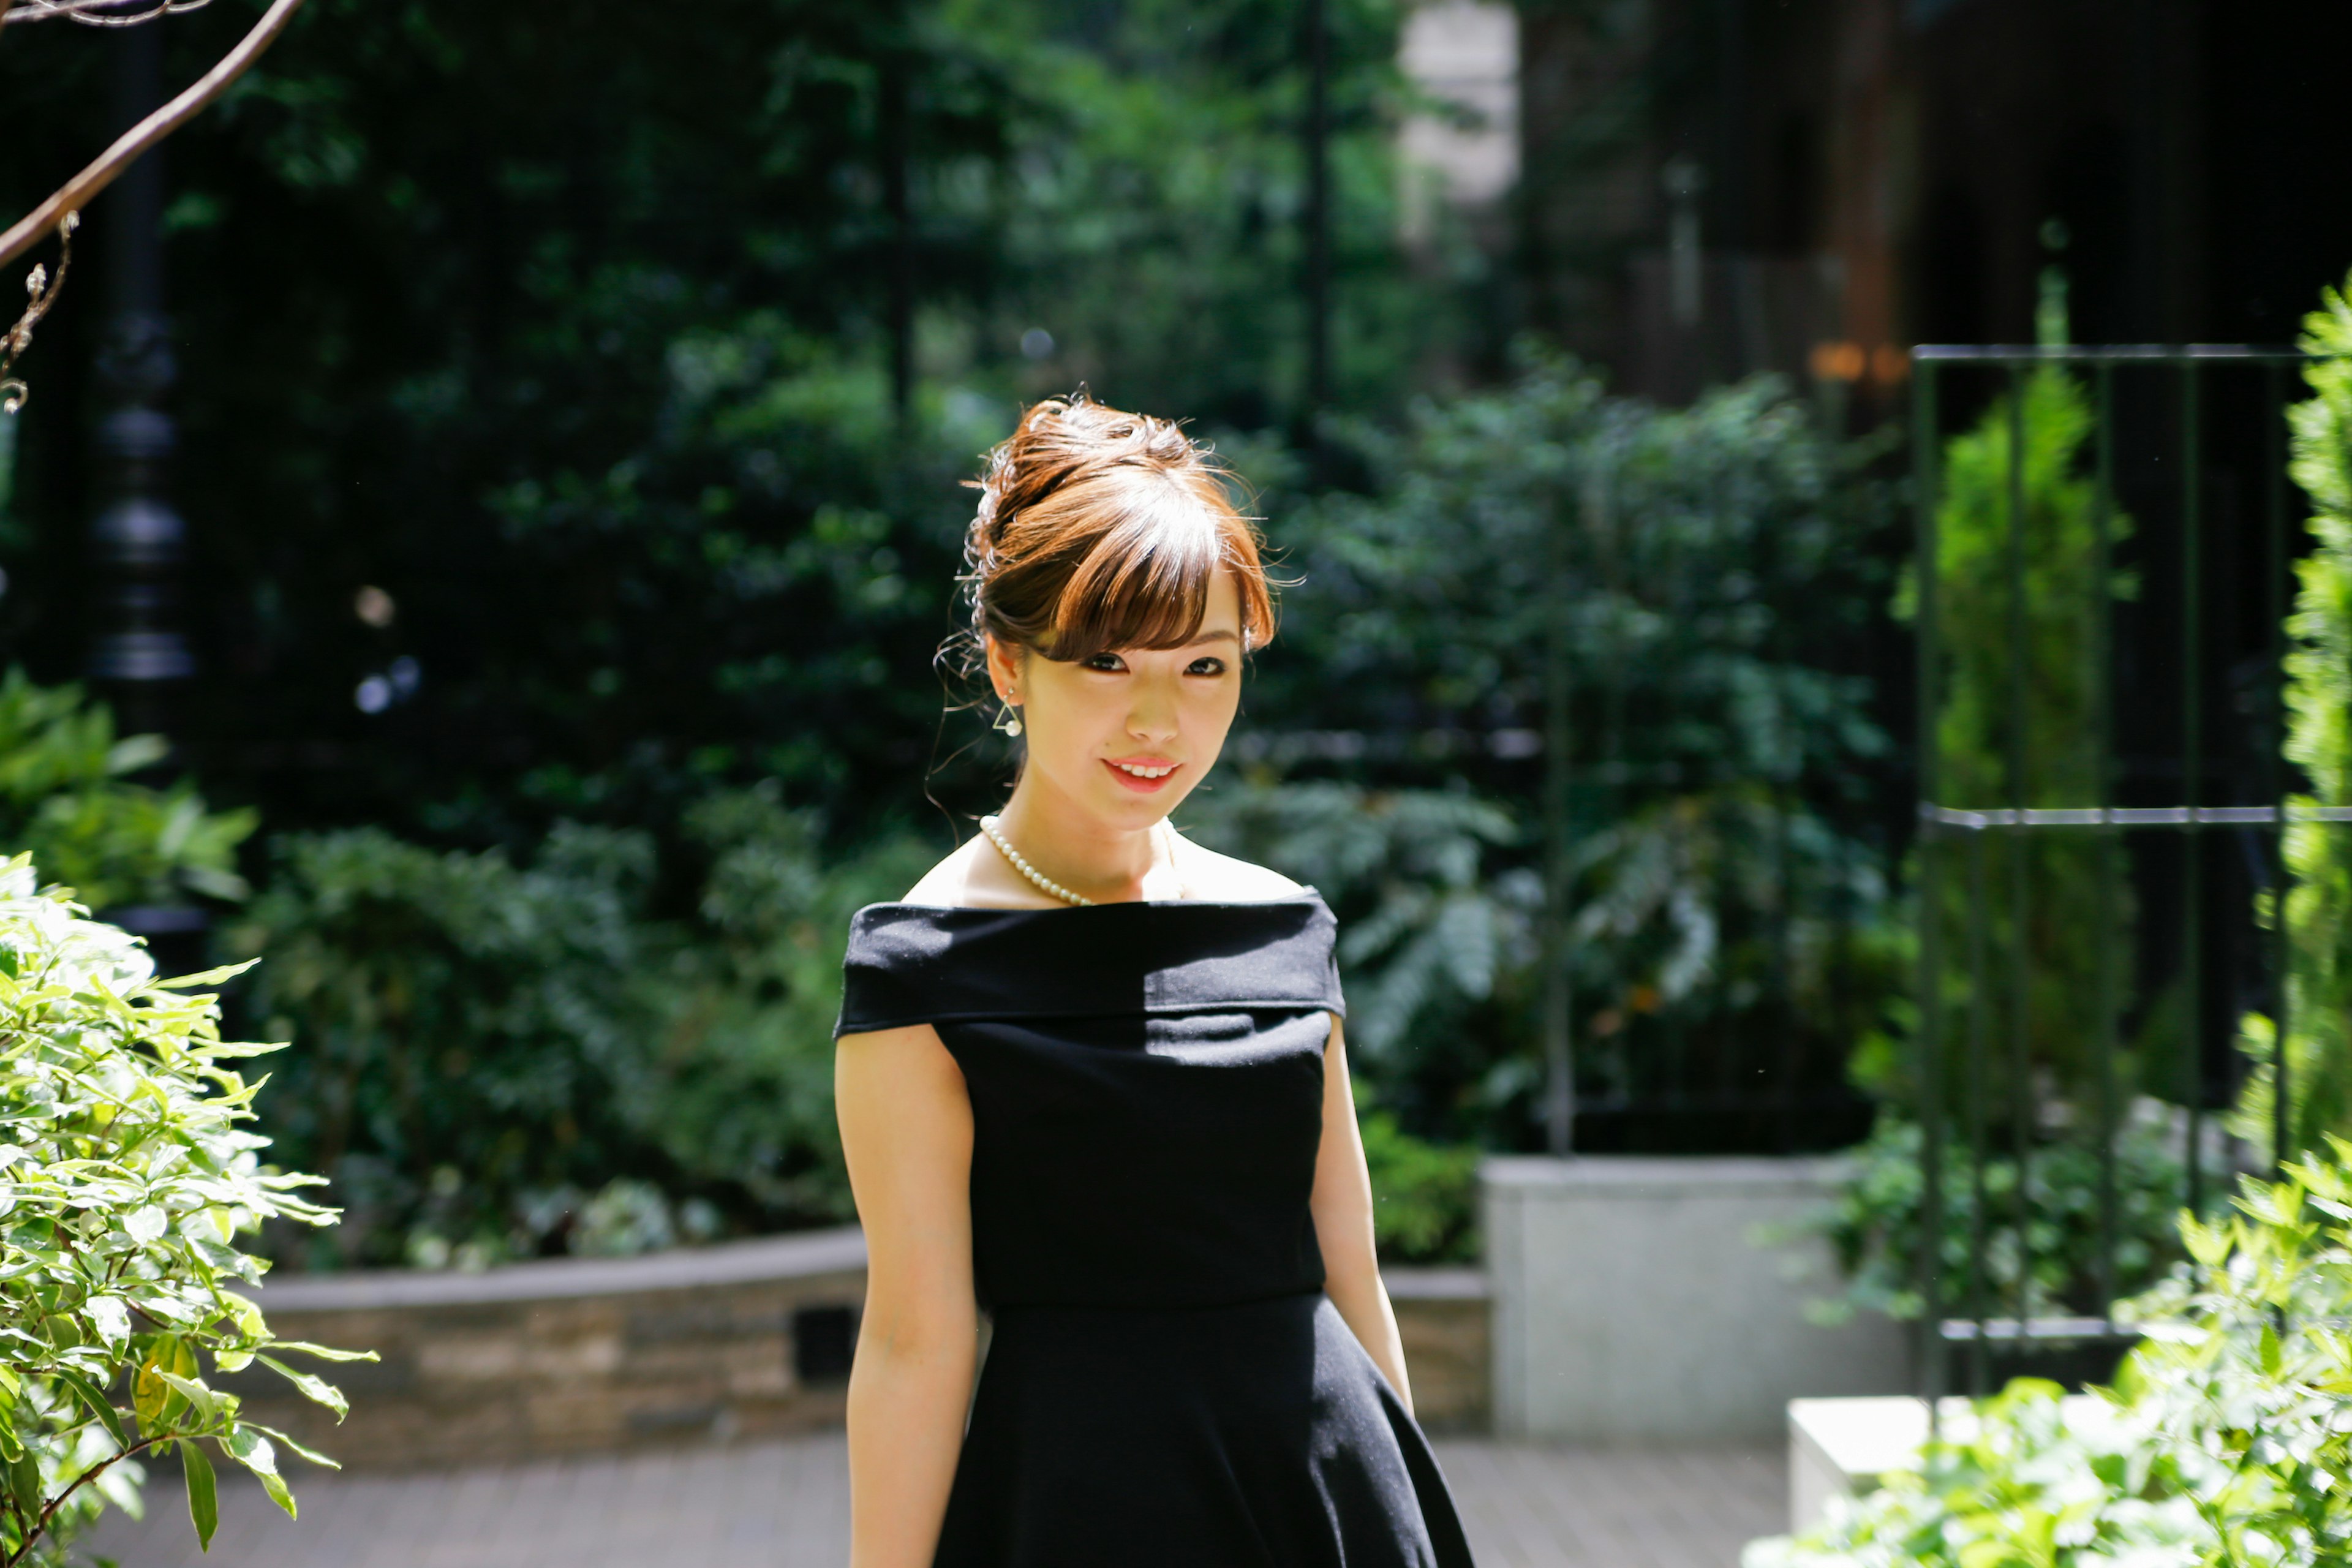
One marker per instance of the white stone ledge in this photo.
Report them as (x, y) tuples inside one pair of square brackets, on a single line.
[(769, 1257), (1416, 1283), (1847, 1447), (1631, 1175)]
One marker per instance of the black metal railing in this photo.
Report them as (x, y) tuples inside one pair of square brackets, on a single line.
[(2081, 765)]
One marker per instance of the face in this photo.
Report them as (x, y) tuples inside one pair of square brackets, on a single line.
[(1126, 735)]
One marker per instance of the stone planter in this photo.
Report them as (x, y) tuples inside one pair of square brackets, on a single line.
[(1634, 1300)]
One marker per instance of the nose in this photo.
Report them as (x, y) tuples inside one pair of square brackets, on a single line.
[(1153, 716)]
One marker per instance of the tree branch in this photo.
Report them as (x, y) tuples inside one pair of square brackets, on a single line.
[(40, 1527), (98, 13), (76, 191)]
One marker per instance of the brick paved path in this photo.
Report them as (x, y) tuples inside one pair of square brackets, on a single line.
[(783, 1505)]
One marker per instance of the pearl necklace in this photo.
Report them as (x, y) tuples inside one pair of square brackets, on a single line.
[(1045, 883)]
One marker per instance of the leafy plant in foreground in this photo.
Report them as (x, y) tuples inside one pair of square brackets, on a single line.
[(125, 1180), (2225, 1442)]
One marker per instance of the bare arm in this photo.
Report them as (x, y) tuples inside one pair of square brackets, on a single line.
[(1342, 1206), (905, 1128)]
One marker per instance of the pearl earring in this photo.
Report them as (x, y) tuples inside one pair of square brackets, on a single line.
[(1009, 721)]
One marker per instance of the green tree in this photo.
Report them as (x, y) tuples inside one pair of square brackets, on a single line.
[(2022, 723)]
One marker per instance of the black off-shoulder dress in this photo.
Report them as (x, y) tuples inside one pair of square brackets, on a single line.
[(1167, 1386)]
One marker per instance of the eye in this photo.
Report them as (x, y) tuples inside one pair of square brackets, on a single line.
[(1206, 665), (1109, 662)]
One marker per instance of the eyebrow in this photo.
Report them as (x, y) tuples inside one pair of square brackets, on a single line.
[(1219, 635)]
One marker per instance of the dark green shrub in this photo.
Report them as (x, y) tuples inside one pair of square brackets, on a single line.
[(1425, 1195), (1707, 577), (465, 1029), (735, 1086), (493, 1057)]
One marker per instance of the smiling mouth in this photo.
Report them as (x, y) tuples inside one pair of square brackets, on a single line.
[(1141, 776)]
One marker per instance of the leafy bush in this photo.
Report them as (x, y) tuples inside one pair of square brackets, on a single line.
[(1874, 1227), (496, 1059), (451, 1012), (1425, 1195), (2225, 1440), (736, 1084), (66, 799), (1707, 568), (127, 1180)]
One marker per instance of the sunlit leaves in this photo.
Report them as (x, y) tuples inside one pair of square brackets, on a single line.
[(128, 1179), (2225, 1442)]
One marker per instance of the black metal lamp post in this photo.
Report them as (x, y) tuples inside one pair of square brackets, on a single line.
[(138, 541)]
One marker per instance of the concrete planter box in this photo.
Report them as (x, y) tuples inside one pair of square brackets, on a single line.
[(1634, 1303)]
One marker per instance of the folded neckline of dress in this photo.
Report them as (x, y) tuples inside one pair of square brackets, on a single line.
[(1303, 896)]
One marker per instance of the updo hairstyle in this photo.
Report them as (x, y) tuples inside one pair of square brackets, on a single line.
[(1098, 530)]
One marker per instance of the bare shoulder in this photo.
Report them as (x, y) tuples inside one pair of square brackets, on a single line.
[(974, 876), (1221, 879)]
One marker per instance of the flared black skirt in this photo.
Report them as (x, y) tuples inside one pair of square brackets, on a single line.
[(1257, 1436)]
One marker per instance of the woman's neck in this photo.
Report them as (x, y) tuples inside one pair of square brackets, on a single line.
[(1106, 864)]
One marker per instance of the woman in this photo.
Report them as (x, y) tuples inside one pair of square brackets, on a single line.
[(1090, 1076)]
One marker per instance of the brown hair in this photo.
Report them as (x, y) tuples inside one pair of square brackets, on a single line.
[(1099, 530)]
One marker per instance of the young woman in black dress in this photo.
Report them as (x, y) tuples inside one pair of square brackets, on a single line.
[(1090, 1079)]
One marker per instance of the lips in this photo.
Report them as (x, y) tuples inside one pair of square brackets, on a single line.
[(1144, 775)]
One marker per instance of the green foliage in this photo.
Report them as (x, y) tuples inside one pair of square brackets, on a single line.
[(480, 1046), (2022, 684), (66, 798), (578, 339), (1425, 1195), (1706, 917), (1160, 193), (128, 1179), (2223, 1444), (1874, 1226), (1701, 564), (1705, 572), (1427, 925), (737, 1090), (2318, 855)]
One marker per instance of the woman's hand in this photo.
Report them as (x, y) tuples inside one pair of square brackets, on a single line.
[(1342, 1206), (905, 1128)]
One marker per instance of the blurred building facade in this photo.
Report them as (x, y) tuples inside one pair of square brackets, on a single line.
[(1713, 187)]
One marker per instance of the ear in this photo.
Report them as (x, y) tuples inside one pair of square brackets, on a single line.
[(1004, 670)]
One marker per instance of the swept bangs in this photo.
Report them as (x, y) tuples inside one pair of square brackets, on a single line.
[(1144, 582), (1099, 530)]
